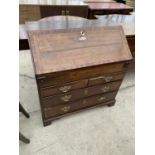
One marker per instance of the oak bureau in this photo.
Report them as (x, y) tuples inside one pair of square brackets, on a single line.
[(78, 69)]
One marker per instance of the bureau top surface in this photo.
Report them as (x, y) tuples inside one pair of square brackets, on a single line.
[(108, 5), (61, 50)]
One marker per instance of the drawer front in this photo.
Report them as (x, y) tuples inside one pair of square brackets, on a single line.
[(81, 104), (48, 91), (47, 11), (80, 11), (74, 75), (80, 93), (105, 78), (112, 11)]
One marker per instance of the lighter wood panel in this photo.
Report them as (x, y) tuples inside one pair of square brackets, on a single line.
[(61, 50), (29, 13), (53, 2)]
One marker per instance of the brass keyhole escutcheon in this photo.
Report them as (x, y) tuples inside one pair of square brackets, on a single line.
[(86, 92), (84, 101), (82, 35)]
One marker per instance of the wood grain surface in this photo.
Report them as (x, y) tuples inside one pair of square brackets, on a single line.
[(80, 93), (79, 104), (55, 51), (58, 78)]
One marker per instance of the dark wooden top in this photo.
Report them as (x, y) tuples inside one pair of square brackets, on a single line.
[(98, 1), (108, 6), (61, 50)]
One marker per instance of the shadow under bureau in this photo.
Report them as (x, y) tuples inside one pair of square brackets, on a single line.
[(78, 69)]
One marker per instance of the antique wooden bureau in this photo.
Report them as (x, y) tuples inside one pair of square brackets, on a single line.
[(78, 69)]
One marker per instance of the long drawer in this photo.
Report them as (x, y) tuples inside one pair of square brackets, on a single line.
[(80, 104), (80, 93), (105, 78), (63, 88), (74, 75), (66, 87)]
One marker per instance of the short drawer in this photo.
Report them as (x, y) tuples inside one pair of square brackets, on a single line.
[(52, 90), (80, 11), (47, 11), (79, 74), (80, 93), (80, 104), (105, 78)]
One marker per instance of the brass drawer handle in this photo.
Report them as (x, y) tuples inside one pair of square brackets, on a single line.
[(84, 102), (107, 78), (65, 88), (102, 98), (67, 12), (66, 98), (105, 88), (65, 109), (62, 12)]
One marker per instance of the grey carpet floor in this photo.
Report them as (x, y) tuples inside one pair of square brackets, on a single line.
[(100, 131)]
